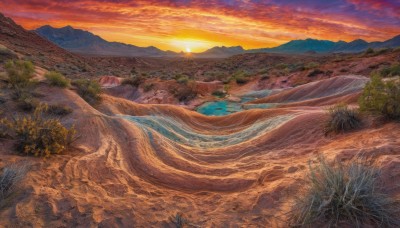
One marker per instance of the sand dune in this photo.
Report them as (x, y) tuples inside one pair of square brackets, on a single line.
[(136, 165)]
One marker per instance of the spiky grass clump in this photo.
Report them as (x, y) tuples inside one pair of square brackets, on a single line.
[(342, 119), (179, 221), (10, 177), (349, 193)]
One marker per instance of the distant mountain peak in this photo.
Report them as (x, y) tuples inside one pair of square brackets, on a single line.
[(85, 42)]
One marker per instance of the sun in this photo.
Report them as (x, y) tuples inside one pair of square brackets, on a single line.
[(191, 45)]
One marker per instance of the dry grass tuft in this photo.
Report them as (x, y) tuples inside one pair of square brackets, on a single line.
[(349, 193), (342, 119)]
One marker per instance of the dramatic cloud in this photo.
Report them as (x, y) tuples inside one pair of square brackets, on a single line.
[(199, 24)]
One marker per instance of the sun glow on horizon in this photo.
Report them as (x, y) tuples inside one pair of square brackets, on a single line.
[(192, 45)]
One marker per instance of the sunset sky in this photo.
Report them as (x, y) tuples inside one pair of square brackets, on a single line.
[(198, 25)]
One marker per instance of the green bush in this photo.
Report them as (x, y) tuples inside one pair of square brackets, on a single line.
[(185, 93), (369, 51), (264, 77), (182, 79), (342, 119), (57, 79), (349, 193), (27, 103), (315, 72), (37, 135), (381, 97), (58, 109), (20, 74), (148, 87), (89, 90), (391, 71), (311, 65), (134, 80), (241, 80), (218, 93)]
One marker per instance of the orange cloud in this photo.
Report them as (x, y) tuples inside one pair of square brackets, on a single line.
[(168, 24)]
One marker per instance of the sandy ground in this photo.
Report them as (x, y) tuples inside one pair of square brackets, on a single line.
[(135, 165)]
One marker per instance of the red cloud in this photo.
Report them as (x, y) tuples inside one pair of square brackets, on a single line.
[(158, 22)]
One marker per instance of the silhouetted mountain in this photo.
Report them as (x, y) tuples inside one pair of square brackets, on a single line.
[(218, 52), (326, 46), (394, 42), (84, 42)]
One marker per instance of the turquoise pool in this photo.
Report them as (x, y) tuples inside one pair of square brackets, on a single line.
[(224, 107), (219, 108)]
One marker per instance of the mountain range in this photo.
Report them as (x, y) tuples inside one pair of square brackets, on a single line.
[(84, 42)]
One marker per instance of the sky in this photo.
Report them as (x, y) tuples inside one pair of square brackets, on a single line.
[(197, 25)]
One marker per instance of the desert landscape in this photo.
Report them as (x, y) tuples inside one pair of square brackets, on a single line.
[(100, 133)]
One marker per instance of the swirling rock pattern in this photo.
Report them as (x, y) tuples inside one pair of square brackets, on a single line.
[(136, 165)]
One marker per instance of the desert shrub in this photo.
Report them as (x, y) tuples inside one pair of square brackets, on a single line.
[(281, 66), (390, 71), (344, 193), (311, 65), (328, 72), (241, 77), (381, 97), (227, 80), (27, 103), (185, 93), (57, 79), (148, 87), (20, 74), (89, 90), (58, 109), (179, 221), (218, 93), (342, 119), (182, 79), (315, 72), (382, 51), (369, 51), (10, 177), (264, 77), (242, 80), (37, 135), (134, 80), (6, 54), (263, 71)]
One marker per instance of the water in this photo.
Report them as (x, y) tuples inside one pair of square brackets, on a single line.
[(224, 107), (219, 108)]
